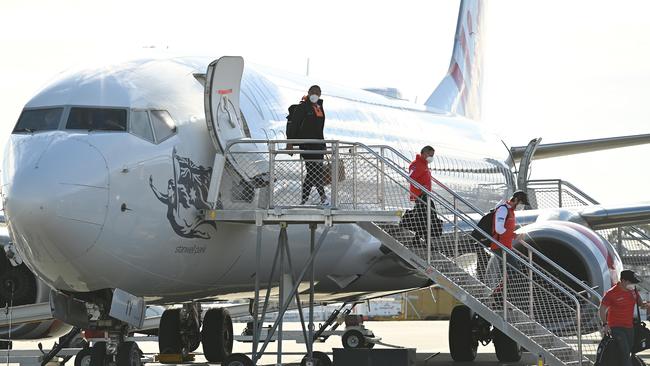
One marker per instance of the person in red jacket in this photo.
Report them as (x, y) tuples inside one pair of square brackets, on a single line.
[(419, 172), (617, 313)]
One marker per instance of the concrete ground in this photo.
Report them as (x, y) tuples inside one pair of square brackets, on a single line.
[(428, 337)]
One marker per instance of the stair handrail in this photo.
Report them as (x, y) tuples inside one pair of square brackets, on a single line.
[(580, 283), (505, 250)]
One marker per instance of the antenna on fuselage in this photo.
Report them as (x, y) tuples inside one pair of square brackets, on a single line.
[(307, 72)]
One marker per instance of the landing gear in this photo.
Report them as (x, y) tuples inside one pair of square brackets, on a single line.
[(237, 359), (217, 335), (462, 342), (179, 330), (83, 357), (319, 358), (128, 354), (506, 349)]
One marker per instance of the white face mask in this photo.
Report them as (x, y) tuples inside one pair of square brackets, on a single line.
[(429, 159), (630, 287), (313, 98)]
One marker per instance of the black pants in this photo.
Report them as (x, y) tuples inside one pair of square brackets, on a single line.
[(313, 178)]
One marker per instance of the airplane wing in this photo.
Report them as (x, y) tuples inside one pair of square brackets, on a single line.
[(545, 151), (608, 217)]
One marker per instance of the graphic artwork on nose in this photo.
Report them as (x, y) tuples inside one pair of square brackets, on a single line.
[(186, 194)]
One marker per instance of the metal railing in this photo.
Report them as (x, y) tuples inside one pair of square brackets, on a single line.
[(435, 227), (632, 243)]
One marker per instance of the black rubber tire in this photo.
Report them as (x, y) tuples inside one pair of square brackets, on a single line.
[(217, 335), (320, 357), (128, 354), (237, 359), (506, 349), (82, 358), (637, 361), (462, 345), (353, 339), (169, 332), (98, 354)]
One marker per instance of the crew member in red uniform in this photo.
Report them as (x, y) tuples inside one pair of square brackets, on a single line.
[(617, 313), (503, 228)]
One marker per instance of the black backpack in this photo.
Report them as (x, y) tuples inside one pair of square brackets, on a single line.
[(608, 353), (485, 224), (293, 127)]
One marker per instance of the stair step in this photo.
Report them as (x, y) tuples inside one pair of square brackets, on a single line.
[(559, 349)]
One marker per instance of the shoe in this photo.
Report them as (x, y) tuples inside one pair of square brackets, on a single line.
[(325, 201)]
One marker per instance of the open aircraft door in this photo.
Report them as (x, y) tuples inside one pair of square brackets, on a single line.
[(225, 122), (222, 114)]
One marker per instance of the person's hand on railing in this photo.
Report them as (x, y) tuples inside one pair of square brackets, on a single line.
[(606, 329), (289, 147)]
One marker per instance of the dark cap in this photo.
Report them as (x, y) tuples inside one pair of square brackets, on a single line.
[(522, 196), (630, 276)]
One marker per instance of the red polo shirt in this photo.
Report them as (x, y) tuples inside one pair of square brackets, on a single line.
[(620, 307)]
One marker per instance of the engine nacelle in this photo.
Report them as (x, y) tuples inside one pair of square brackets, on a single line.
[(576, 248), (26, 289)]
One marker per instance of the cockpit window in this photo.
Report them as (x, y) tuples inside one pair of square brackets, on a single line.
[(163, 125), (97, 119), (32, 120), (140, 125)]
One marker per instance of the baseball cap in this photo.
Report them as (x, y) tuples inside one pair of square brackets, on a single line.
[(523, 197), (630, 276)]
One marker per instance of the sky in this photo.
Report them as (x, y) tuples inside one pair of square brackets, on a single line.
[(560, 70)]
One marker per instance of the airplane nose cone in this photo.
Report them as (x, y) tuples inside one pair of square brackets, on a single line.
[(56, 197)]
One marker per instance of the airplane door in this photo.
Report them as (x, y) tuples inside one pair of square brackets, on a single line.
[(222, 114)]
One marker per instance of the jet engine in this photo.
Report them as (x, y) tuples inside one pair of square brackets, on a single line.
[(19, 286)]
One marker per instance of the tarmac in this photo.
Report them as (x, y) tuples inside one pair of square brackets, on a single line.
[(428, 337)]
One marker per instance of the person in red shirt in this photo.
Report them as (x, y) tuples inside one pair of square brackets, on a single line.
[(617, 313)]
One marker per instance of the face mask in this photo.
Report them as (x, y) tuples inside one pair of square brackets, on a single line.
[(630, 287), (429, 159), (313, 98)]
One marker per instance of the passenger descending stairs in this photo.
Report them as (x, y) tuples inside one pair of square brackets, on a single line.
[(548, 317)]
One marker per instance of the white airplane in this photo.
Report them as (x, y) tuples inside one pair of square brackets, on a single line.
[(107, 169)]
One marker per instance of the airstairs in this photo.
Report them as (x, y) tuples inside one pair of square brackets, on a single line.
[(368, 186), (632, 242)]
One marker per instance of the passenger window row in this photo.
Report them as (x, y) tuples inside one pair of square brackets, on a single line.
[(151, 125)]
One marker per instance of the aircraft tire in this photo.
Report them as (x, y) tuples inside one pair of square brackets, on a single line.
[(217, 335), (82, 358), (506, 349), (237, 359), (321, 359), (462, 345), (98, 354), (129, 354), (637, 361), (169, 332)]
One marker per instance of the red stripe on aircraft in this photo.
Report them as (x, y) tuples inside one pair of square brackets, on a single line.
[(224, 91), (457, 75)]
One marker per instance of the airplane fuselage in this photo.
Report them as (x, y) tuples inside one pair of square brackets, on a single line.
[(95, 209)]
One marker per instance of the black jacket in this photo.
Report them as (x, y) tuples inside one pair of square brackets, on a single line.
[(311, 126)]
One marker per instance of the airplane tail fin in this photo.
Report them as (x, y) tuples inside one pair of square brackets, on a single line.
[(460, 90)]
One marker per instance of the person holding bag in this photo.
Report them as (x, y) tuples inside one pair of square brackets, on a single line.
[(617, 314)]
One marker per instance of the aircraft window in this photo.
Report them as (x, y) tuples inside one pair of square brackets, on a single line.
[(163, 125), (32, 120), (93, 119), (140, 125)]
